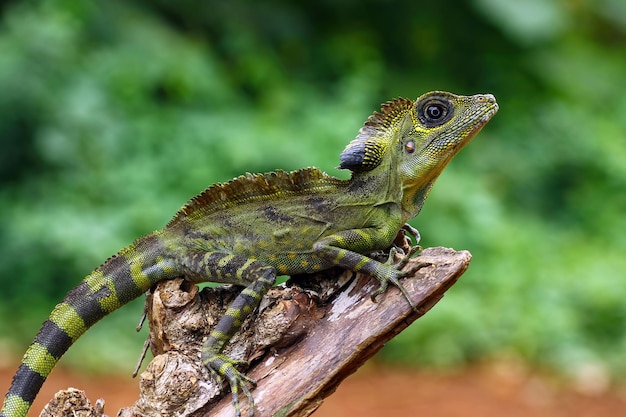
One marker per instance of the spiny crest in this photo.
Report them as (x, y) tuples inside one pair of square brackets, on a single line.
[(250, 187), (366, 151)]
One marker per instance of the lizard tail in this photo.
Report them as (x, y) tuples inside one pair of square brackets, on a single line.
[(119, 280)]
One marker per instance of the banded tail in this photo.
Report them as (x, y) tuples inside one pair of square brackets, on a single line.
[(122, 278)]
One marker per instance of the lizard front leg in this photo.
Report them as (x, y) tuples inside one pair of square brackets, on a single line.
[(258, 279), (342, 249)]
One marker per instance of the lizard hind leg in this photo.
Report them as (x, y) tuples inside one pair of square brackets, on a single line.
[(258, 278)]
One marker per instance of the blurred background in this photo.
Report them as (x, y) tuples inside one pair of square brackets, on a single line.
[(113, 114)]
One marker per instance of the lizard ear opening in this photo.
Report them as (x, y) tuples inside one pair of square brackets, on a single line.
[(366, 151)]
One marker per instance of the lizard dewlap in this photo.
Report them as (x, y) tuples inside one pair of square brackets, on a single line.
[(246, 231)]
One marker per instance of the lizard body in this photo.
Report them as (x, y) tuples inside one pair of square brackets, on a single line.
[(248, 230)]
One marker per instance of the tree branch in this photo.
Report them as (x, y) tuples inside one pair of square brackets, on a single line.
[(306, 337)]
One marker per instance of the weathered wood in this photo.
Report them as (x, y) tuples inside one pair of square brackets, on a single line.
[(74, 403), (307, 336)]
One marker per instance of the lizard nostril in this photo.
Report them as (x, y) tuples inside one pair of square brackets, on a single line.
[(487, 98)]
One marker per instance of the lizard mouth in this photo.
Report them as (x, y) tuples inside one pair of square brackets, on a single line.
[(487, 115)]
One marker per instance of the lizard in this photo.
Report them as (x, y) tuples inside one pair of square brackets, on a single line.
[(257, 226)]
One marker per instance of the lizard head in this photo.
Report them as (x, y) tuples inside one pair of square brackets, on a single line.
[(417, 140)]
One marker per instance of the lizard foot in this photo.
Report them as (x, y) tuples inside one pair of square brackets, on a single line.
[(225, 368), (397, 273)]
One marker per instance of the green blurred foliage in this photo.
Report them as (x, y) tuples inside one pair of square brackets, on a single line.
[(113, 114)]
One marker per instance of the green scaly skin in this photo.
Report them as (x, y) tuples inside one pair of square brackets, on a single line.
[(254, 227)]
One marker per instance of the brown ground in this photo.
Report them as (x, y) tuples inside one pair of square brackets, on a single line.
[(377, 391)]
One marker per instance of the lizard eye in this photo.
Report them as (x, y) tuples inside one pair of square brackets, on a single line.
[(410, 147), (435, 112)]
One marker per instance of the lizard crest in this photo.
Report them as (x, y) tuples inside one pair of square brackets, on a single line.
[(251, 187)]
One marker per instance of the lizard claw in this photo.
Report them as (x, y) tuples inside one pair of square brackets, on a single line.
[(225, 368), (398, 273), (395, 280), (404, 243), (413, 232)]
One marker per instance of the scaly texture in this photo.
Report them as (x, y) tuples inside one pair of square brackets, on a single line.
[(254, 227)]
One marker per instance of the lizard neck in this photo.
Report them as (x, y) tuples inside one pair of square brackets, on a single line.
[(413, 199), (377, 187)]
